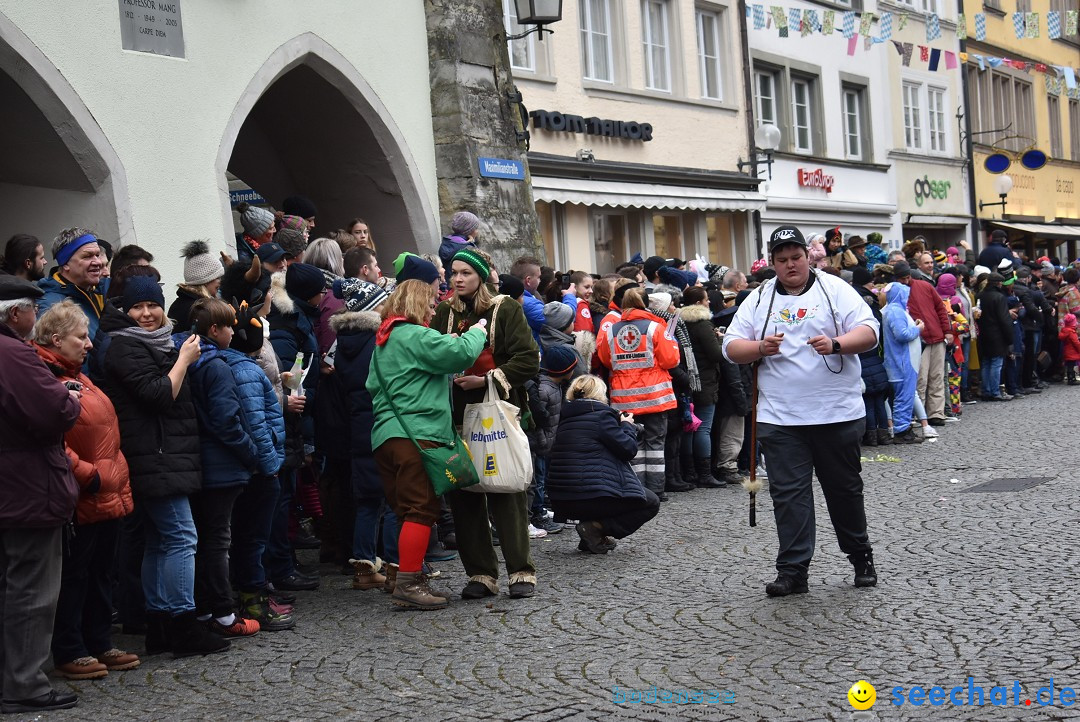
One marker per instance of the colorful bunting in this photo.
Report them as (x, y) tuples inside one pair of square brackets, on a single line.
[(807, 26), (1053, 24), (885, 30), (908, 49), (794, 19), (933, 27), (950, 60), (849, 24), (815, 21), (980, 26), (865, 21), (1070, 78), (961, 27), (903, 21), (935, 57), (1018, 25), (829, 23), (1071, 17), (852, 43), (759, 17), (924, 53), (1032, 25), (779, 17)]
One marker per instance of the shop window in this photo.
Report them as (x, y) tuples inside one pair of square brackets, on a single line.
[(657, 44), (522, 52), (1074, 129), (596, 52), (1053, 107), (609, 241), (719, 239), (709, 63), (802, 130), (548, 216), (667, 234)]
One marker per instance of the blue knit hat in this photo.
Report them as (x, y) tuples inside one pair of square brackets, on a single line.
[(559, 360), (304, 281), (418, 269), (138, 289)]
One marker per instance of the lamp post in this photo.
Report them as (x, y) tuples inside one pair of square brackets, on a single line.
[(1002, 185), (766, 140), (538, 13)]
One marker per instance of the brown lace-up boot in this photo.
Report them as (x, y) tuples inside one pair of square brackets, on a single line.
[(367, 575), (412, 591)]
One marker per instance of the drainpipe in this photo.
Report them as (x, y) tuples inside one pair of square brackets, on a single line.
[(976, 246), (748, 98)]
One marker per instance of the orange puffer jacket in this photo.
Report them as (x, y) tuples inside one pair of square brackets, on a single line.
[(93, 448), (639, 354)]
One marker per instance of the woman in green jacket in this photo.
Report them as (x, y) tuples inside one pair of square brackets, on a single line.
[(511, 358), (414, 361)]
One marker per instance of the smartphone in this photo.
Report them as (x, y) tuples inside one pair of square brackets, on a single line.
[(73, 385), (565, 280)]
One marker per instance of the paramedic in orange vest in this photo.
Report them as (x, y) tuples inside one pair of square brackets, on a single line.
[(639, 352)]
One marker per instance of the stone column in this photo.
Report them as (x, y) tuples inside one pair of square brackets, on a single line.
[(473, 117)]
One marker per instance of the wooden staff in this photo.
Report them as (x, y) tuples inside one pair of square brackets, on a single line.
[(753, 485)]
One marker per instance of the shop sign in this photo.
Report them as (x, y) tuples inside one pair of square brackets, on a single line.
[(152, 26), (934, 189), (501, 168), (565, 123), (816, 179)]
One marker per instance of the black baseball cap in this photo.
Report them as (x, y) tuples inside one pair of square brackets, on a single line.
[(785, 235), (270, 253)]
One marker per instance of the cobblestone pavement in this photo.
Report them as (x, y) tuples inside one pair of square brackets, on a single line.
[(972, 584)]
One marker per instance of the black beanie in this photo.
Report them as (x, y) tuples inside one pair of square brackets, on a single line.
[(511, 286), (304, 281), (861, 276), (299, 206), (652, 265)]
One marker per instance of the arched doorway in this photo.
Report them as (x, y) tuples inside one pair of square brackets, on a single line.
[(309, 124), (56, 167)]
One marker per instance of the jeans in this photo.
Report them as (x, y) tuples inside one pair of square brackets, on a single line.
[(1010, 373), (84, 609), (252, 516), (168, 572), (795, 454), (876, 416), (212, 511), (700, 441), (991, 375), (278, 559), (964, 367), (536, 495), (366, 530)]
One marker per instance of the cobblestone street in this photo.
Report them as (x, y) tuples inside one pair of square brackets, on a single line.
[(978, 585)]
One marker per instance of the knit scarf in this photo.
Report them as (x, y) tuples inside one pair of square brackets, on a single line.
[(682, 335), (160, 339)]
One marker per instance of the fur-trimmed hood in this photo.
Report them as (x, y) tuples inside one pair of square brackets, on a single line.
[(281, 299), (355, 321), (585, 345), (695, 312)]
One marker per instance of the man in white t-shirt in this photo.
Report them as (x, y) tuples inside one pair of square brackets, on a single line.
[(804, 329)]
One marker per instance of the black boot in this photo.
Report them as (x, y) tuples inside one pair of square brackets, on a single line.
[(870, 438), (865, 574), (1072, 377), (705, 478), (672, 477), (157, 632), (883, 438), (687, 474), (189, 637)]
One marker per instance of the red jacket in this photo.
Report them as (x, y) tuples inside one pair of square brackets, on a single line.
[(93, 448), (639, 354), (924, 304), (1071, 343)]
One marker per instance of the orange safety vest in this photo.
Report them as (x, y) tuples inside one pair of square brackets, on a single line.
[(639, 354)]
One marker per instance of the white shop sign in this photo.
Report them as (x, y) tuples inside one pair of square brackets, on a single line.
[(152, 26)]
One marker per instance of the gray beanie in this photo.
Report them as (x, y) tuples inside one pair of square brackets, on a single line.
[(558, 315), (256, 221), (200, 266), (464, 223)]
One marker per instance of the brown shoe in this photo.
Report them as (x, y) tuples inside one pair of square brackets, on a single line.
[(117, 660), (83, 668), (391, 578), (412, 591), (367, 575)]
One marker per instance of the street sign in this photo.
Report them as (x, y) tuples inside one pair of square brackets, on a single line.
[(501, 168)]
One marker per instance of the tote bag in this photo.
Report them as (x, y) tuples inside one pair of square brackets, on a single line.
[(499, 447)]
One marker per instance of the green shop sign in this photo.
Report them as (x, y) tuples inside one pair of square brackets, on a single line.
[(926, 188)]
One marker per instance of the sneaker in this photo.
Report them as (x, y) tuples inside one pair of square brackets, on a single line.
[(278, 608), (117, 660), (239, 628), (549, 513), (951, 419), (535, 533), (546, 524), (439, 553), (936, 422), (730, 476), (257, 606), (929, 432)]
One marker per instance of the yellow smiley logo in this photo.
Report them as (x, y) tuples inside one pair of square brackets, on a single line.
[(862, 695)]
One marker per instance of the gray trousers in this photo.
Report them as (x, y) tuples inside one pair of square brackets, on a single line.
[(649, 462), (795, 453), (730, 441), (30, 565)]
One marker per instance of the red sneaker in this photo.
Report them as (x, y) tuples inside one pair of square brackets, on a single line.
[(239, 628)]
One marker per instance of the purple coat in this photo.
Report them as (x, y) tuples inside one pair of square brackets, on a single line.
[(37, 488)]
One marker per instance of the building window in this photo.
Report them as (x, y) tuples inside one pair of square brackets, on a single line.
[(801, 115), (1074, 129), (596, 40), (1000, 100), (980, 107), (935, 106), (522, 52), (854, 114), (923, 6), (912, 117), (654, 37), (1053, 107), (766, 98), (1025, 114), (708, 42)]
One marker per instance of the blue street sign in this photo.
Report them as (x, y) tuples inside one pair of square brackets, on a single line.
[(250, 196), (501, 168)]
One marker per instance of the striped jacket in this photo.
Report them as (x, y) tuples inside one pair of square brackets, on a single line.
[(639, 354)]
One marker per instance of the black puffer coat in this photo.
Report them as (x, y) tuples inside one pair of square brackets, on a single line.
[(159, 435), (591, 456), (995, 324), (874, 375), (707, 352)]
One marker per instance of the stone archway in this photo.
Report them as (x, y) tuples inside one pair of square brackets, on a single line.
[(309, 124), (57, 169)]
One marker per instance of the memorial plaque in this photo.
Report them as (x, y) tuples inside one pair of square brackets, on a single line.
[(152, 26)]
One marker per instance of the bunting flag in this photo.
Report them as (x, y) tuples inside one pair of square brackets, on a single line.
[(981, 61), (924, 53), (747, 12), (804, 23), (899, 47), (1032, 25), (933, 27), (1053, 24), (815, 21), (1070, 22), (849, 24), (865, 22), (961, 27), (909, 48), (980, 26), (1051, 85), (903, 21), (778, 16), (783, 31), (759, 17), (963, 57), (950, 60), (1018, 25), (1070, 78), (829, 23), (852, 43), (794, 19), (935, 58), (885, 30)]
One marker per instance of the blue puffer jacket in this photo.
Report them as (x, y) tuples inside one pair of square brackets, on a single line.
[(874, 375), (261, 409), (227, 433), (590, 458)]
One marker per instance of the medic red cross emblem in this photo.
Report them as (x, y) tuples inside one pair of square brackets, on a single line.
[(628, 338)]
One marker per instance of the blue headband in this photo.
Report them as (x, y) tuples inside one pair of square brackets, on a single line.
[(68, 251)]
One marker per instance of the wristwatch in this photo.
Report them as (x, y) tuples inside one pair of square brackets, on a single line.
[(835, 346)]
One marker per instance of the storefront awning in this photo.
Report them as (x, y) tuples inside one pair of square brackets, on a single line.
[(643, 195), (916, 219), (1043, 230)]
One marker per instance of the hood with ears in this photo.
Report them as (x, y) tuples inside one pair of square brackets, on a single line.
[(897, 293)]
